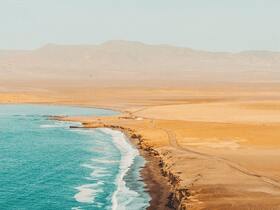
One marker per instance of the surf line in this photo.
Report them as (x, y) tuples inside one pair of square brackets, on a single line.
[(128, 154)]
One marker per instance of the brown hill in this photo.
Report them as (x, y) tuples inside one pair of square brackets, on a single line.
[(122, 62)]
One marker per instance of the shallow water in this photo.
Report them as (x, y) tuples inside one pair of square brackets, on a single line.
[(46, 165)]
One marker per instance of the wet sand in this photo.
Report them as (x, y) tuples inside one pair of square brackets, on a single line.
[(157, 184)]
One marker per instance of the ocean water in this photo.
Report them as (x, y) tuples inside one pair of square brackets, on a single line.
[(46, 165)]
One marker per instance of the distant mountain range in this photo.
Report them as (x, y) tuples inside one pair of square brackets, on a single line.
[(135, 62)]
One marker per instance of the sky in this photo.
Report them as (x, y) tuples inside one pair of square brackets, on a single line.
[(213, 25)]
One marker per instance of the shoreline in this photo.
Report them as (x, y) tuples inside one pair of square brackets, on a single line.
[(158, 186), (129, 154), (161, 183), (156, 183)]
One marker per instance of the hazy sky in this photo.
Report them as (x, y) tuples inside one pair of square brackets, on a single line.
[(216, 25)]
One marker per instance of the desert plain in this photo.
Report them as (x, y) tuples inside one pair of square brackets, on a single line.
[(216, 134)]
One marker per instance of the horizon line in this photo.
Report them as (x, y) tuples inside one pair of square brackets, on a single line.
[(138, 42)]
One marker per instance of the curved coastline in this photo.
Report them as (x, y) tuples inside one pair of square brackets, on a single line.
[(153, 175), (52, 136), (157, 185), (123, 197)]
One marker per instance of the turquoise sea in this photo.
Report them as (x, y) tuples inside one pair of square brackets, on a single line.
[(45, 165)]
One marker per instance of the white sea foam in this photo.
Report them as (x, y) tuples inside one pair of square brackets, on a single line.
[(76, 208), (57, 125), (123, 196), (104, 161), (98, 172), (82, 131), (87, 193), (52, 126), (88, 166)]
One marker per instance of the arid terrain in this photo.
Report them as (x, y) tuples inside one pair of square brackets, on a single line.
[(212, 118)]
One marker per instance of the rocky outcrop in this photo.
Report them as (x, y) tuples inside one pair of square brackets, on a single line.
[(179, 195)]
